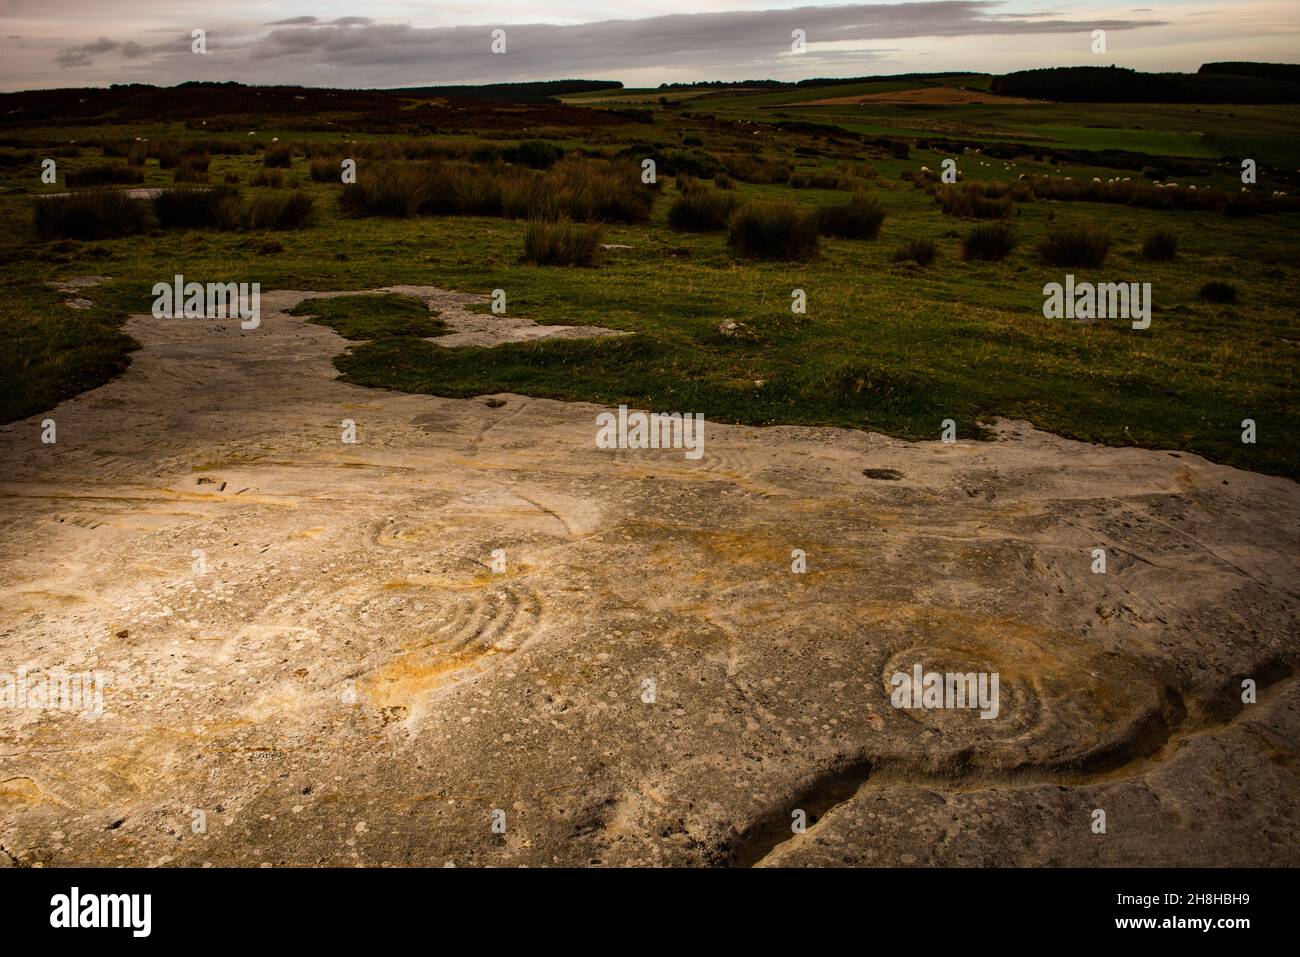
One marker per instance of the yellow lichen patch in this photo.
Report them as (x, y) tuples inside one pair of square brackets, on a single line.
[(415, 675), (23, 790)]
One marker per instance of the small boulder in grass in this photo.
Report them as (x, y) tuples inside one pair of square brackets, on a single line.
[(732, 329)]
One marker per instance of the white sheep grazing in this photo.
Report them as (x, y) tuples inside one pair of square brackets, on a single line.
[(1192, 186), (1126, 179), (925, 169), (1021, 176), (1096, 179)]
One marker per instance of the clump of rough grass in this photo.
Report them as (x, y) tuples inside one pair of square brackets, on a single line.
[(327, 170), (972, 204), (701, 210), (92, 214), (561, 242), (286, 210), (191, 169), (1160, 245), (279, 156), (267, 177), (197, 208), (859, 218), (104, 174), (989, 242), (386, 189), (577, 188), (806, 180), (1081, 245), (754, 168), (919, 251), (1218, 291), (774, 230)]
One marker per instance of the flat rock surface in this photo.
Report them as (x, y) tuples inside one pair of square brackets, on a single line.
[(647, 682)]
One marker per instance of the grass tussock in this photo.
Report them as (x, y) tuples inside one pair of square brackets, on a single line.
[(197, 208), (860, 218), (395, 190), (225, 209), (104, 174), (919, 251), (702, 210), (561, 243), (819, 180), (973, 203), (91, 214), (268, 177), (774, 230), (988, 242), (578, 189), (755, 168), (1079, 245), (1218, 291), (191, 169), (278, 156), (283, 210), (327, 170), (1160, 245)]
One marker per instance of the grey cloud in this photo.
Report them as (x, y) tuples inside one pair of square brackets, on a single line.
[(86, 53), (360, 51), (318, 22), (711, 40)]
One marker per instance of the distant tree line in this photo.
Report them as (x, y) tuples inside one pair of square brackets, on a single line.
[(1270, 71), (1112, 84), (814, 81), (515, 92)]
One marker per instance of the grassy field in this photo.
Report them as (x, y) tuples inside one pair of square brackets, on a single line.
[(884, 345)]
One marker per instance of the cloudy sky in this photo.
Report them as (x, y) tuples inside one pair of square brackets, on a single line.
[(393, 43)]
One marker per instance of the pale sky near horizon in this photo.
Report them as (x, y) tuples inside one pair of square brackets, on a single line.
[(394, 43)]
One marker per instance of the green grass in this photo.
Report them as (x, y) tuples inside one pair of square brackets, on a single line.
[(380, 316), (885, 346)]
